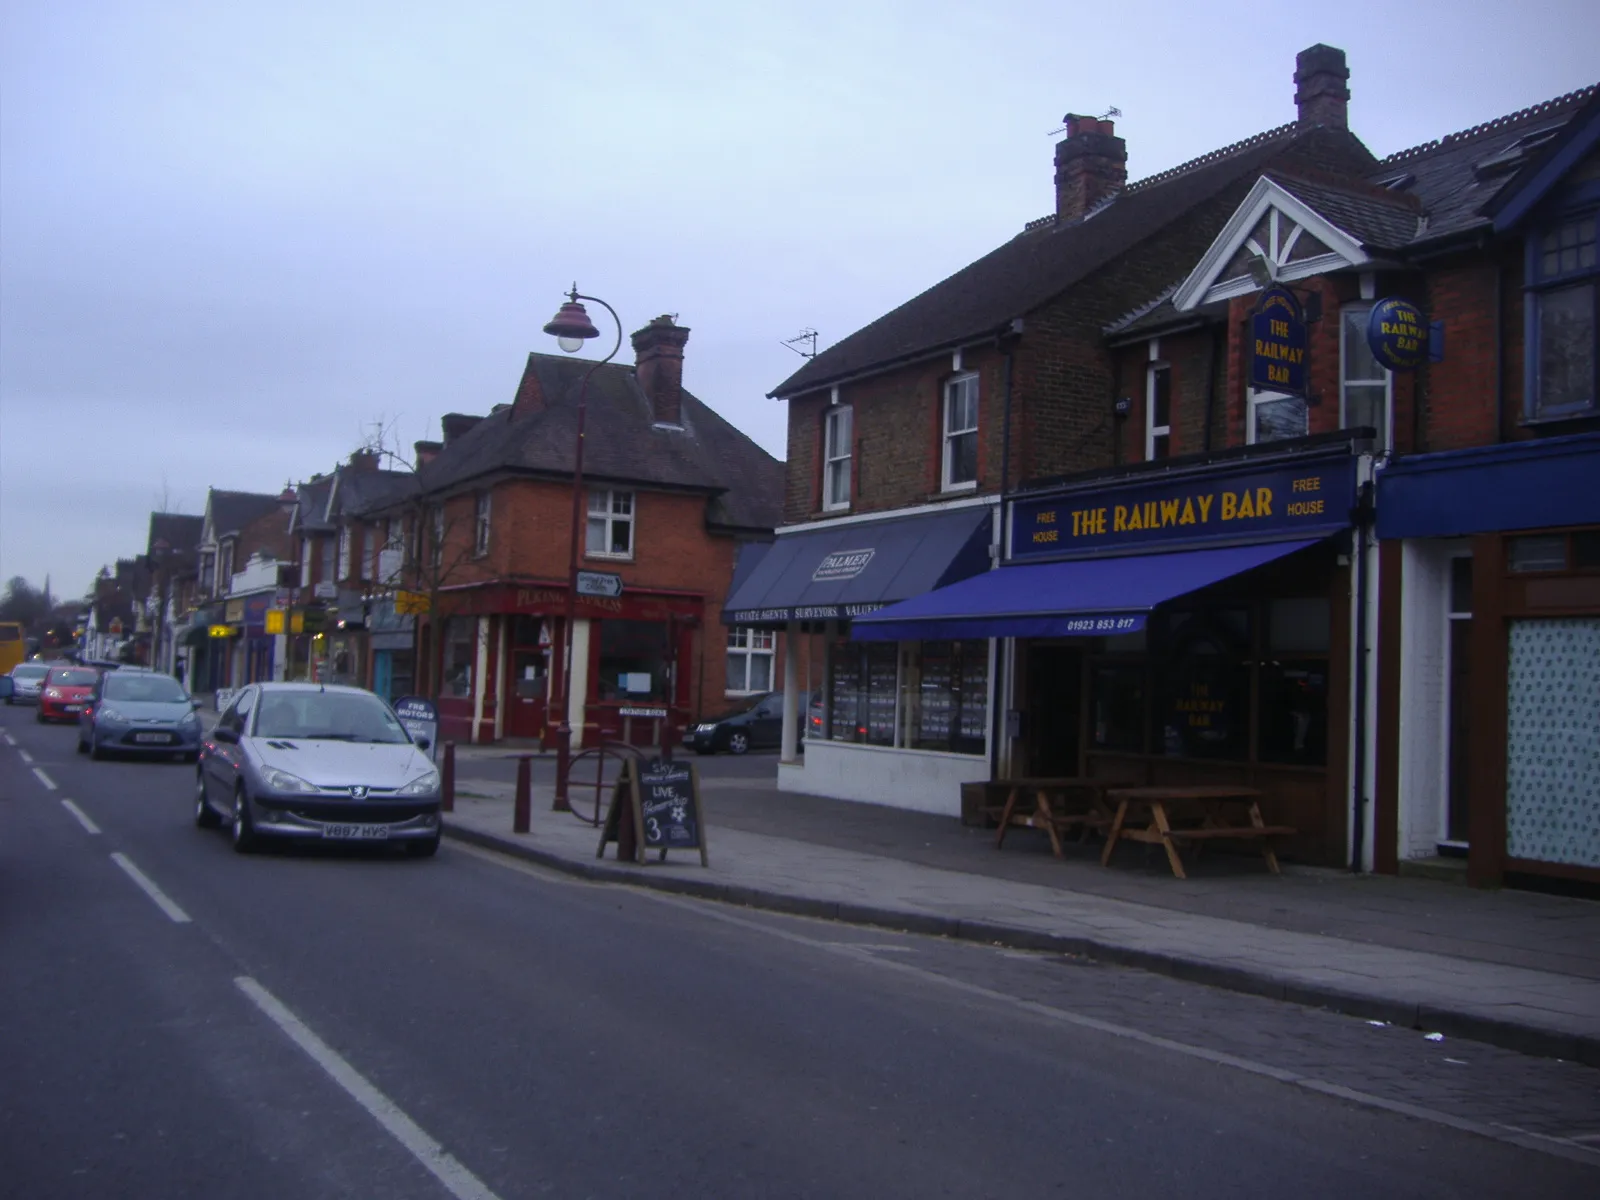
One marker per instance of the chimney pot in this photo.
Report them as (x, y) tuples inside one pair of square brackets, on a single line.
[(658, 366), (1321, 91), (1091, 166)]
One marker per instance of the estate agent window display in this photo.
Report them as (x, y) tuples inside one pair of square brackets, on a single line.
[(910, 695)]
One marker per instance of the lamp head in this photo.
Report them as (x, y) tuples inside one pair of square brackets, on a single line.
[(571, 326)]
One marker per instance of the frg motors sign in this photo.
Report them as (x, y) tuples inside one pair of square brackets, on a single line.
[(842, 564)]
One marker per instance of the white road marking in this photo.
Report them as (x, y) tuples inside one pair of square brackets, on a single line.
[(10, 741), (461, 1182), (83, 817), (25, 756), (45, 779), (148, 887)]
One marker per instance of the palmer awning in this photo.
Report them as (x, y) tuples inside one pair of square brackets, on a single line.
[(1086, 597), (844, 571)]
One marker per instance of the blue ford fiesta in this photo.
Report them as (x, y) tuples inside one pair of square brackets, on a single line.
[(134, 711)]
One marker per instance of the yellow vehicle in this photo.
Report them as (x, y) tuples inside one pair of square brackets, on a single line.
[(13, 646)]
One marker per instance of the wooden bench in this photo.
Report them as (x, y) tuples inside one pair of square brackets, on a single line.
[(1051, 809), (1208, 802)]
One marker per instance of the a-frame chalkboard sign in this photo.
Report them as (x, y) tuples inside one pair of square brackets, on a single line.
[(660, 799)]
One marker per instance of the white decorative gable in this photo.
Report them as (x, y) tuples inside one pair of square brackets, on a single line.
[(1272, 237)]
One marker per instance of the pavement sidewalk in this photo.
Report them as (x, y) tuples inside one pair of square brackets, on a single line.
[(1515, 969)]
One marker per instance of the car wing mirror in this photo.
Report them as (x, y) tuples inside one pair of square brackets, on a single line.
[(224, 735), (421, 741), (194, 704)]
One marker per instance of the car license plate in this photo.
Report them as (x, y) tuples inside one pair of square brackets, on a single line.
[(74, 708), (161, 738), (360, 833)]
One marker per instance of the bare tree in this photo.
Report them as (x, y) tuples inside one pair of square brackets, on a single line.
[(428, 540)]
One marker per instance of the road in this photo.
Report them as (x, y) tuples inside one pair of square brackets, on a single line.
[(184, 1021)]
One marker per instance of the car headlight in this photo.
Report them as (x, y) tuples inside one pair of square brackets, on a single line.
[(423, 785), (110, 714), (704, 728), (282, 781), (52, 693), (189, 719)]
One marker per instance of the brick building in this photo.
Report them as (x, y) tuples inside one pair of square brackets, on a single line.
[(244, 544), (904, 436), (675, 500), (1283, 548)]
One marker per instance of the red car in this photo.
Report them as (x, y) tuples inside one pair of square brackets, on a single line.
[(66, 691)]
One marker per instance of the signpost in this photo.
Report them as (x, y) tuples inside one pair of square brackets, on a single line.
[(600, 583), (655, 804), (420, 716)]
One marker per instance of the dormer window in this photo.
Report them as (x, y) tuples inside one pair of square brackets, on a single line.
[(1562, 282), (960, 461), (225, 569)]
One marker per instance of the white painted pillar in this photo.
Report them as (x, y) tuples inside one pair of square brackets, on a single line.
[(479, 675), (502, 660), (578, 691), (791, 692), (280, 656)]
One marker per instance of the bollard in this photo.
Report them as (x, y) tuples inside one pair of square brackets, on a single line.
[(447, 779), (522, 813)]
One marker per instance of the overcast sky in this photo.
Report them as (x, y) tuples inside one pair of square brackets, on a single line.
[(234, 234)]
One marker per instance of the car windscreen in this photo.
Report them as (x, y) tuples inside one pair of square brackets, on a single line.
[(27, 672), (79, 677), (149, 689), (342, 716)]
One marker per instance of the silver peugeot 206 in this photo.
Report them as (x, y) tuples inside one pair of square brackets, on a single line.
[(313, 761)]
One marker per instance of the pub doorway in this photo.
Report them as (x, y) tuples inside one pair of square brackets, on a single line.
[(1055, 701), (527, 716)]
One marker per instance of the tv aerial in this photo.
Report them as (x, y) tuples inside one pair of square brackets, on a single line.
[(803, 343), (1105, 116)]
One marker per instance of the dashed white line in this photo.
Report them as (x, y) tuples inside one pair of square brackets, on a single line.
[(45, 779), (462, 1183), (83, 817), (25, 756), (148, 887), (10, 741)]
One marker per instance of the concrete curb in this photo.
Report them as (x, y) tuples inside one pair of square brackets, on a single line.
[(1459, 1023)]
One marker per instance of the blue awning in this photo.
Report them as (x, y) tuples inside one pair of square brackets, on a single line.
[(1537, 484), (1085, 597), (843, 571)]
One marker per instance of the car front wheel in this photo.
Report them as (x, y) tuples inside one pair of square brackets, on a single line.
[(738, 742), (95, 751)]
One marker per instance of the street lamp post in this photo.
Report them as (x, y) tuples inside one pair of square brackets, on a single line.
[(571, 327)]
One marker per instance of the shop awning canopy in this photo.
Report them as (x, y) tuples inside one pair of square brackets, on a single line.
[(845, 570), (1084, 597)]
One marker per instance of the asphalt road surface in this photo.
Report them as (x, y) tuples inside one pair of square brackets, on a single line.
[(180, 1020)]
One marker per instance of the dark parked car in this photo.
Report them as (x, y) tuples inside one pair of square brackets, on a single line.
[(756, 725), (135, 711)]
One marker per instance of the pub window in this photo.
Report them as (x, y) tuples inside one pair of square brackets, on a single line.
[(610, 529), (750, 655), (947, 696), (460, 656), (1363, 383), (1202, 685), (1292, 702), (1158, 412), (1275, 417), (863, 680), (836, 439), (1538, 552), (1563, 275), (960, 433)]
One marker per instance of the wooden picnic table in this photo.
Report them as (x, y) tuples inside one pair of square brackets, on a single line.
[(1051, 809), (1215, 806)]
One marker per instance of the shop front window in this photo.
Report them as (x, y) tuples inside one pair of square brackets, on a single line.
[(1203, 685), (633, 661), (863, 679), (460, 657), (917, 695), (950, 697), (1117, 706)]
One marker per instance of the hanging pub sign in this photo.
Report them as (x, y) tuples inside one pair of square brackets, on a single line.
[(1278, 344), (1397, 334)]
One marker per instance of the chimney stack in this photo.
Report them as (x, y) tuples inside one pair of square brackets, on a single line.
[(1321, 92), (454, 425), (426, 452), (1091, 166), (364, 460), (658, 358)]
